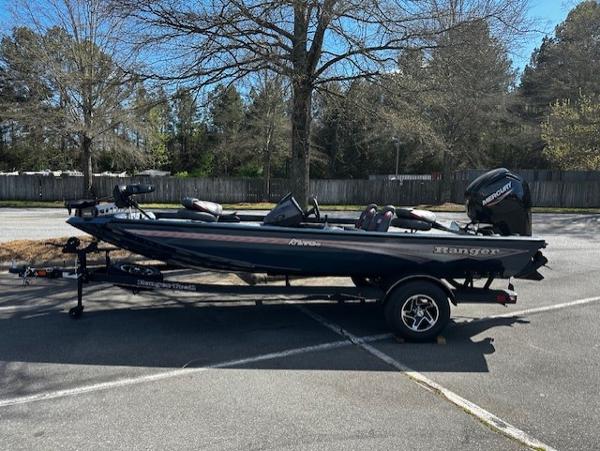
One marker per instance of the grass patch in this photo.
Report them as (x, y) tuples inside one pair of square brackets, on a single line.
[(31, 204), (161, 205), (579, 211), (445, 208)]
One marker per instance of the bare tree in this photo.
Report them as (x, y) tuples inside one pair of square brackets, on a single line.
[(312, 42), (80, 51)]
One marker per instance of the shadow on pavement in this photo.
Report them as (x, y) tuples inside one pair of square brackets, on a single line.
[(209, 334), (464, 351), (50, 293), (582, 226)]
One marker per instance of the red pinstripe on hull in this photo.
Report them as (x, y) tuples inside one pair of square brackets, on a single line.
[(209, 236), (422, 251)]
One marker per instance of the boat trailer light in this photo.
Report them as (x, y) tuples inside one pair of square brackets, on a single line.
[(506, 298)]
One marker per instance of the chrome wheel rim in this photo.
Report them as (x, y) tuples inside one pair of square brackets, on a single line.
[(420, 313)]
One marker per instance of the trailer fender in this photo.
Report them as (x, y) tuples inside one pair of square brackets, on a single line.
[(424, 277)]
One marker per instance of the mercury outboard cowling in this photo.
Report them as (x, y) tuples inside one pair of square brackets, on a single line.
[(502, 199)]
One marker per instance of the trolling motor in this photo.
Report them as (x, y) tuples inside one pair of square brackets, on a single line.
[(121, 198), (122, 194)]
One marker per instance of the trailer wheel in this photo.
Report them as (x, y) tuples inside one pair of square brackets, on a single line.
[(417, 310)]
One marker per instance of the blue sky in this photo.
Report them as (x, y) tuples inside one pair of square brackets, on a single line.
[(546, 14)]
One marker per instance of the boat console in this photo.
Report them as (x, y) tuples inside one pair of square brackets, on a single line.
[(287, 213)]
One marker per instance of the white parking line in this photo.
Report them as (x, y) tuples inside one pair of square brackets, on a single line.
[(183, 371), (480, 413), (34, 308), (547, 308)]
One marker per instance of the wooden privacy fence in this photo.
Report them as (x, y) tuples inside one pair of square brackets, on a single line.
[(172, 189), (229, 190), (537, 175)]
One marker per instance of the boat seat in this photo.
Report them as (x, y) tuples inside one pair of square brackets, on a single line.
[(416, 214), (414, 219), (382, 220), (366, 217), (213, 208), (195, 215), (411, 224)]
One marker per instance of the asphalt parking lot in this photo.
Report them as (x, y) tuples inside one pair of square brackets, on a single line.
[(166, 370), (34, 224)]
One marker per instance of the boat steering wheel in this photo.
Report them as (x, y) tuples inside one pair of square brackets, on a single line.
[(315, 208)]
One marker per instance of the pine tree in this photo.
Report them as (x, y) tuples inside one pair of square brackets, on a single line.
[(227, 121), (566, 64), (471, 76)]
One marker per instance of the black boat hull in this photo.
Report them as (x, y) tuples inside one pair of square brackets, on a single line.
[(316, 251)]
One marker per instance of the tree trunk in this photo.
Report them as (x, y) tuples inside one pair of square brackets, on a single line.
[(446, 187), (86, 142), (86, 166), (63, 151), (267, 169), (2, 141), (300, 162)]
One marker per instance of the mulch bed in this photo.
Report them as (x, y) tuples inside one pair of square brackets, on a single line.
[(40, 253)]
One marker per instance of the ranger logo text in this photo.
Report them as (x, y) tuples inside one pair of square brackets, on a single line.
[(470, 251)]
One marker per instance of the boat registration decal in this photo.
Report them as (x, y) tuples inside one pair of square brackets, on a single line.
[(470, 251)]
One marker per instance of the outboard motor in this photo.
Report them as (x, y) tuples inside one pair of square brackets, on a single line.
[(502, 199)]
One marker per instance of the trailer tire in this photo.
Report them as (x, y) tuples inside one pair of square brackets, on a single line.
[(417, 310)]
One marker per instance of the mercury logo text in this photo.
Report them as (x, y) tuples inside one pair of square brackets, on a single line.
[(495, 195)]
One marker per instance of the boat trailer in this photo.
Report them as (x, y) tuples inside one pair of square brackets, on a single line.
[(138, 278)]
